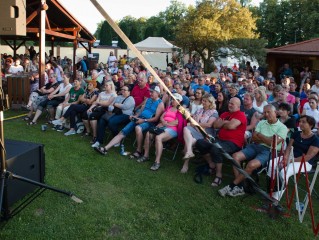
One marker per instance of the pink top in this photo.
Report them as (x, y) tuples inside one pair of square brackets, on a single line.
[(290, 99), (170, 116)]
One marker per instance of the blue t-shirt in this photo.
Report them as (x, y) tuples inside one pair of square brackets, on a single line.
[(205, 87)]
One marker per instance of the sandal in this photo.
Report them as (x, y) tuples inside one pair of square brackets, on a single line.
[(217, 181), (135, 155), (31, 123), (143, 159), (100, 150), (188, 156), (25, 107)]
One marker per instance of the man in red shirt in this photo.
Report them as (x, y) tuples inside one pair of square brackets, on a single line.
[(232, 127), (141, 90)]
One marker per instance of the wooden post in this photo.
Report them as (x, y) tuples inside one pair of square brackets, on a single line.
[(42, 43), (75, 45)]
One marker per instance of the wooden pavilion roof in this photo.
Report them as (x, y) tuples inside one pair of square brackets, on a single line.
[(60, 24), (308, 47)]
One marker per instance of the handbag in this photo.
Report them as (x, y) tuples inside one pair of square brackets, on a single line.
[(117, 110), (156, 130), (99, 109)]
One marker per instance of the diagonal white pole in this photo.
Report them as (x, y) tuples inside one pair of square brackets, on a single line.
[(185, 113), (137, 53)]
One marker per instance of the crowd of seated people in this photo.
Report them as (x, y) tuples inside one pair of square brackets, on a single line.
[(240, 107)]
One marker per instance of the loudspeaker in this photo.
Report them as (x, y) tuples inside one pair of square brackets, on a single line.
[(27, 160), (13, 17)]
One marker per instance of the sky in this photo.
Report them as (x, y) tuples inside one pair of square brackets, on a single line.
[(86, 13)]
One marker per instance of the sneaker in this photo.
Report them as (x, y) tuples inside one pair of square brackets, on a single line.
[(155, 166), (117, 145), (224, 191), (70, 132), (57, 122), (95, 145), (236, 191), (59, 128)]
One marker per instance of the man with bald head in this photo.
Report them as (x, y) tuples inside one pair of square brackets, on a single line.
[(232, 127), (258, 152)]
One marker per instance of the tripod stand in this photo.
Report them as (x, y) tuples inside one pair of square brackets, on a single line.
[(6, 175)]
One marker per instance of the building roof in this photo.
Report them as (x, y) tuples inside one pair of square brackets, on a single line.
[(308, 47), (60, 24)]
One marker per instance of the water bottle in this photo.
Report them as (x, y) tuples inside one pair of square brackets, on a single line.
[(300, 206), (122, 150)]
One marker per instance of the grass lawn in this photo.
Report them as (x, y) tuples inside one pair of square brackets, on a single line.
[(123, 199)]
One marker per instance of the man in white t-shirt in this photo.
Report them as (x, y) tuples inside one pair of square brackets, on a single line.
[(315, 87)]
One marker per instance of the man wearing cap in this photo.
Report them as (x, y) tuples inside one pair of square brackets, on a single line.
[(141, 122), (201, 83)]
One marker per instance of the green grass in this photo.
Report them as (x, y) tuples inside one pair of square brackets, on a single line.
[(123, 199)]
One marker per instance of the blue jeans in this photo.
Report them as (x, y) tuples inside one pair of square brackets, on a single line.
[(112, 123)]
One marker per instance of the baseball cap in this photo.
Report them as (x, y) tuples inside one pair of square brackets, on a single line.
[(157, 89), (178, 96)]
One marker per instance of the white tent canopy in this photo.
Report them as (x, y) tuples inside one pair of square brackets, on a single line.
[(156, 44)]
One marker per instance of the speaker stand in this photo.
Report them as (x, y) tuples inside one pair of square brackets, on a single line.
[(5, 175)]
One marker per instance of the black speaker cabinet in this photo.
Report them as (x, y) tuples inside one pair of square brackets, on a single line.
[(13, 17), (27, 160)]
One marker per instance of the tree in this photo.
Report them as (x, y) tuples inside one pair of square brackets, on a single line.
[(171, 17), (107, 34), (219, 28), (98, 30), (285, 22)]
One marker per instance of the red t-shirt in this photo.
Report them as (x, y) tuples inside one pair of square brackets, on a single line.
[(139, 94), (234, 135)]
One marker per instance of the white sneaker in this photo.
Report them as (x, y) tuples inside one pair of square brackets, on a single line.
[(236, 191), (96, 144), (70, 132), (224, 191), (57, 122)]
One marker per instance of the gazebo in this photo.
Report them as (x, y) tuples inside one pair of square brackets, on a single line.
[(48, 21), (297, 55)]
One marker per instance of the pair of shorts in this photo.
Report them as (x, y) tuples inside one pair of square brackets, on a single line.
[(258, 152), (171, 132), (131, 126)]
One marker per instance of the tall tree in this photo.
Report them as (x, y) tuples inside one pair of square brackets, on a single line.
[(171, 17), (211, 27), (107, 34)]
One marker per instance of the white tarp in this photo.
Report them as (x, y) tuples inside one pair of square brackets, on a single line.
[(155, 44)]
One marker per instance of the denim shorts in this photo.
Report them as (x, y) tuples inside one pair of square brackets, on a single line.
[(131, 126), (258, 152), (171, 132)]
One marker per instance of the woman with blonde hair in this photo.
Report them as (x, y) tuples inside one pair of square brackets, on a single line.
[(260, 99), (205, 117), (274, 96), (98, 108)]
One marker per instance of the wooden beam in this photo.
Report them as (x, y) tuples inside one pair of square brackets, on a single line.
[(23, 42), (84, 47), (65, 12), (69, 29), (52, 33), (41, 30), (31, 17), (47, 22), (8, 44)]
